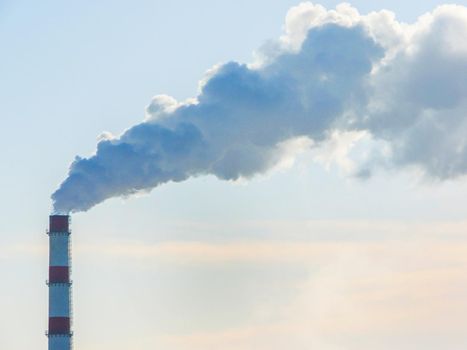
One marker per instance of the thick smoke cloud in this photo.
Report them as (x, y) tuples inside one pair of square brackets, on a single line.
[(405, 85)]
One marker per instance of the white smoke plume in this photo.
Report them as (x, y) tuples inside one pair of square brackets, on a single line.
[(331, 72)]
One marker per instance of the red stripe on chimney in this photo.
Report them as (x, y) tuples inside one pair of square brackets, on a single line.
[(59, 325), (58, 223), (59, 274)]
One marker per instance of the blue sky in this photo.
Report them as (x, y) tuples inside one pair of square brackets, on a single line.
[(208, 263)]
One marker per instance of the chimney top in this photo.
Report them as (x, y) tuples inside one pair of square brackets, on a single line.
[(59, 223)]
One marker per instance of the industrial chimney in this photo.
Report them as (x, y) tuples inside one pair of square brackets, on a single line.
[(59, 332)]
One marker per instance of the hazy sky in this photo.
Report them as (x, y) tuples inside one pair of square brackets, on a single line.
[(301, 257)]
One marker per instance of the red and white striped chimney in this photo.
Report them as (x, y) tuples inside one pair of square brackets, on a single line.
[(59, 332)]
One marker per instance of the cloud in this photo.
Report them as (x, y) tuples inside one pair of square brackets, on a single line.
[(314, 242), (397, 295), (332, 73)]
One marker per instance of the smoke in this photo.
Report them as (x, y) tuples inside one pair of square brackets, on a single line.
[(405, 86)]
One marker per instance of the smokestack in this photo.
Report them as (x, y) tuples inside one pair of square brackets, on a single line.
[(59, 332)]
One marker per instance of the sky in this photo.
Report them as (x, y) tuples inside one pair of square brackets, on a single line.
[(301, 256)]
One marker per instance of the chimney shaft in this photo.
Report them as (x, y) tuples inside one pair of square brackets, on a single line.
[(59, 332)]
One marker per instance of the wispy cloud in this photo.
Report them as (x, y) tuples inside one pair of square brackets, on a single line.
[(441, 251), (357, 297)]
